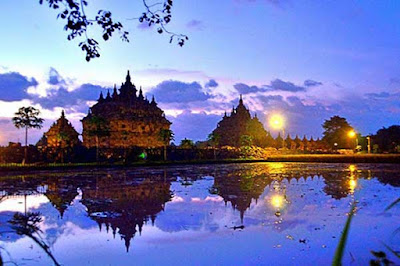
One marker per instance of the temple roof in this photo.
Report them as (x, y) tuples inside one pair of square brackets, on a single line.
[(127, 102)]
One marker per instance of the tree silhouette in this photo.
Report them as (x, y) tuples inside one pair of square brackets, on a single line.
[(166, 135), (388, 138), (77, 23), (187, 143), (214, 139), (336, 131), (27, 117), (28, 225)]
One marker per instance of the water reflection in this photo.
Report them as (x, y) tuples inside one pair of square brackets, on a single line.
[(191, 203)]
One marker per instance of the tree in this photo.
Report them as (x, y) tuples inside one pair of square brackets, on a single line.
[(165, 135), (246, 140), (99, 128), (388, 139), (27, 117), (336, 131), (214, 139), (187, 143), (77, 23), (28, 224)]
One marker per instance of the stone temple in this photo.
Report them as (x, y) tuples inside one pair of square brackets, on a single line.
[(231, 129), (61, 134), (124, 119)]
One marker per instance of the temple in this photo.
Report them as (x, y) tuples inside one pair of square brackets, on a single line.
[(232, 129), (61, 134), (124, 119)]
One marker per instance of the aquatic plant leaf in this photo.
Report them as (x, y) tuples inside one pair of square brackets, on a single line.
[(397, 254), (394, 203), (337, 260)]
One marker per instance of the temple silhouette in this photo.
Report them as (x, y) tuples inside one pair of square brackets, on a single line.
[(60, 134), (124, 119), (238, 124)]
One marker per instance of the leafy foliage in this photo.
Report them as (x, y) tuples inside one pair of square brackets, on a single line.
[(380, 259), (388, 138), (214, 139), (187, 143), (166, 136), (77, 23), (336, 131), (27, 117), (160, 18), (28, 225), (246, 140)]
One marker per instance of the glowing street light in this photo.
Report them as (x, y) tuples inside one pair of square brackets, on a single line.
[(277, 122), (352, 134)]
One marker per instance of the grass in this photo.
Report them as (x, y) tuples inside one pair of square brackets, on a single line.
[(337, 259)]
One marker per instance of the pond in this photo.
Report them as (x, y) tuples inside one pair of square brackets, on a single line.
[(229, 214)]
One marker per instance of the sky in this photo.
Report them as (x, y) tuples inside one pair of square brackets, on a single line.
[(306, 60)]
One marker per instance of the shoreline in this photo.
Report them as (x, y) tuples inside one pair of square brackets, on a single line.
[(300, 158)]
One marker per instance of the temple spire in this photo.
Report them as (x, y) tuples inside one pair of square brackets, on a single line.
[(128, 78), (101, 98), (62, 114), (140, 93), (115, 91), (108, 97), (153, 101)]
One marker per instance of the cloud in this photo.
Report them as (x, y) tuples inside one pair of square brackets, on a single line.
[(180, 92), (55, 78), (195, 126), (280, 85), (275, 85), (246, 89), (380, 95), (195, 24), (76, 98), (311, 83), (211, 84), (14, 86)]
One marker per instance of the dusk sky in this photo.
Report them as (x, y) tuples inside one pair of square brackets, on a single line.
[(307, 60)]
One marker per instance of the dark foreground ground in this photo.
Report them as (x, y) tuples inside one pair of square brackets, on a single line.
[(309, 158)]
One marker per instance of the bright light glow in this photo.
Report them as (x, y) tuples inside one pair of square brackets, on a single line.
[(351, 134), (276, 121), (352, 168), (277, 201), (352, 185)]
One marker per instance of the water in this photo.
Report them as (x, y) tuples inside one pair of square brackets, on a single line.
[(236, 214)]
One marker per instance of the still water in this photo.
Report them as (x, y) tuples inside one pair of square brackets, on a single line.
[(236, 214)]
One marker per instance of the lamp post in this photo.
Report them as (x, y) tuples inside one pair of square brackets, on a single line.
[(277, 121), (352, 134)]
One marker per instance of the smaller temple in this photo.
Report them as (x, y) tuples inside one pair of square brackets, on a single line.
[(61, 134), (233, 128)]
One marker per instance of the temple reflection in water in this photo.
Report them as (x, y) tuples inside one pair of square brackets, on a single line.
[(122, 202)]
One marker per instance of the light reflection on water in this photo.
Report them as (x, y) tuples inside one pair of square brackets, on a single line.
[(265, 213)]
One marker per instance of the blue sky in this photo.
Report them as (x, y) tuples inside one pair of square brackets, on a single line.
[(307, 60)]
